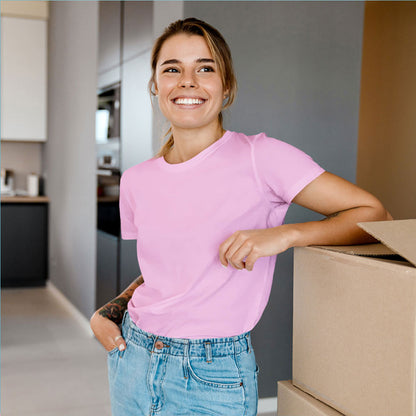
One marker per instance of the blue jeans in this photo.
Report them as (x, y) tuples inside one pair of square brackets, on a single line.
[(172, 376)]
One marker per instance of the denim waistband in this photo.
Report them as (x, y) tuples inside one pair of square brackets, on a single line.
[(215, 347)]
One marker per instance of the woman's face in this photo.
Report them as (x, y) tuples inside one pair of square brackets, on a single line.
[(188, 83)]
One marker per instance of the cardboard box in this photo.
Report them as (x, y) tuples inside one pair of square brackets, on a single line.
[(354, 323), (292, 401)]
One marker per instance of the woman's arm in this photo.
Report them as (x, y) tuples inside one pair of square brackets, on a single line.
[(106, 320), (344, 205)]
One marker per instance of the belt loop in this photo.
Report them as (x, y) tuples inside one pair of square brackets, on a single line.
[(248, 341), (208, 352)]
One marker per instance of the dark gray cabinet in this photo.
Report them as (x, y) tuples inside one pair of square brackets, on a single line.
[(109, 51), (125, 40), (129, 266), (24, 244), (107, 267), (137, 28), (117, 266)]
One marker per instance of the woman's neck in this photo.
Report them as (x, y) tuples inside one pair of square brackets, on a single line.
[(190, 142)]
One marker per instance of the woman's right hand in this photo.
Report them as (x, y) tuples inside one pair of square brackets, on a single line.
[(107, 332)]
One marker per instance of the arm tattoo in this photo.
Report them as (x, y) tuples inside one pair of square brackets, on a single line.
[(114, 310)]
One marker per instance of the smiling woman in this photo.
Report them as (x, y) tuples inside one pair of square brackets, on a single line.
[(214, 59), (207, 213), (190, 93)]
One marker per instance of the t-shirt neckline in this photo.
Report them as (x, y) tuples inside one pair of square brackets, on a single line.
[(197, 158)]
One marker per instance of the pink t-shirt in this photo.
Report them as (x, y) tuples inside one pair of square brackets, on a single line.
[(181, 213)]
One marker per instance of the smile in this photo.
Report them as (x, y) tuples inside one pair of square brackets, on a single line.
[(188, 101)]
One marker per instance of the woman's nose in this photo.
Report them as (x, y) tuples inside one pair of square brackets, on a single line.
[(188, 80)]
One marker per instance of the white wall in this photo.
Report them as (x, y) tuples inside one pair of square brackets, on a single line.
[(69, 154)]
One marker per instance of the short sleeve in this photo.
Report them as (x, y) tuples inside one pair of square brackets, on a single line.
[(282, 169), (126, 205)]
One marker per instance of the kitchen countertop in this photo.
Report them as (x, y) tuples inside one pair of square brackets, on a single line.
[(109, 198), (24, 199), (32, 199)]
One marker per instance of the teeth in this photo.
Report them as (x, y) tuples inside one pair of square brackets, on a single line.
[(188, 101)]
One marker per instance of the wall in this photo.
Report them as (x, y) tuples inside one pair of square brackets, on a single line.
[(69, 154), (298, 68), (387, 132), (22, 158)]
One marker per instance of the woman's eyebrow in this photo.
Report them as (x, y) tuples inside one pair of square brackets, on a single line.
[(177, 61)]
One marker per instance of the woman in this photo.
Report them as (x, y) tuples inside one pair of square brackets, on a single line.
[(210, 198)]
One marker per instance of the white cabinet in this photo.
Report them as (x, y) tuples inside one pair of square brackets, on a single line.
[(23, 79)]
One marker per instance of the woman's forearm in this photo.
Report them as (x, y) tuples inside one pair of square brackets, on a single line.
[(337, 229), (114, 310)]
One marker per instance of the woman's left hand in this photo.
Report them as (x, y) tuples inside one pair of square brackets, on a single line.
[(252, 244)]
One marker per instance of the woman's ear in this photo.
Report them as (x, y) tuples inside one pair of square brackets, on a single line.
[(155, 89)]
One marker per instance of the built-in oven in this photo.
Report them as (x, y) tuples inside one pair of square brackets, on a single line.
[(107, 126), (107, 142)]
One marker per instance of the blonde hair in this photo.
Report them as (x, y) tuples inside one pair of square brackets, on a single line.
[(219, 50)]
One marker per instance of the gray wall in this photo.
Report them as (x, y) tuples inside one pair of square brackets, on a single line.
[(69, 153), (298, 68)]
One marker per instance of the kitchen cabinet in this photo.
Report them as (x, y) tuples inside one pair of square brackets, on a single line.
[(117, 266), (137, 28), (23, 79), (129, 267), (24, 244), (136, 112), (107, 267), (109, 43)]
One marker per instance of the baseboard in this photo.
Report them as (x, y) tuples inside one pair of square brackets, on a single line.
[(267, 405), (71, 309)]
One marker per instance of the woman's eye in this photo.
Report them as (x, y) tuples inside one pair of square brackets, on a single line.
[(207, 69), (170, 70)]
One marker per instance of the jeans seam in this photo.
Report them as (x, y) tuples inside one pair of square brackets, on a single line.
[(243, 381), (162, 392), (149, 387)]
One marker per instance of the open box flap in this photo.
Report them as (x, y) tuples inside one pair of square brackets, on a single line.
[(367, 250), (397, 238), (399, 235)]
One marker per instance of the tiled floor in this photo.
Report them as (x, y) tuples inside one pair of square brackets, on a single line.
[(50, 363)]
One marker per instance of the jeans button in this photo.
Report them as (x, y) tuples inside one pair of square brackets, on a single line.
[(159, 345)]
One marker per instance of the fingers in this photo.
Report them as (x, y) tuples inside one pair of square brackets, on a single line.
[(224, 248), (107, 333), (250, 260), (236, 257), (235, 249), (120, 343)]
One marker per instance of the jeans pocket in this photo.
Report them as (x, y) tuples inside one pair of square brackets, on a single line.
[(111, 352), (221, 372), (113, 359)]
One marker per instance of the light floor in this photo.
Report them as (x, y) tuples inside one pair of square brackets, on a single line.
[(50, 363)]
